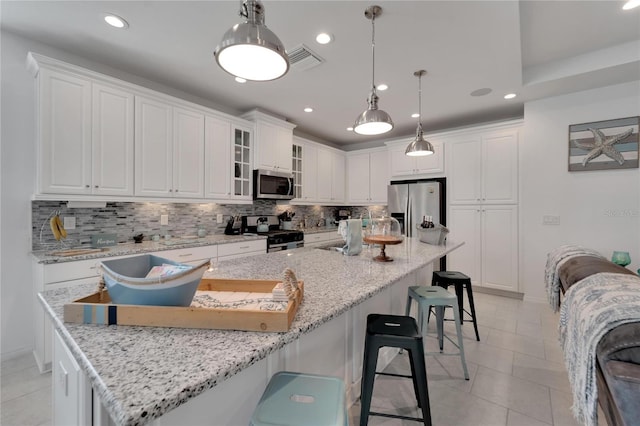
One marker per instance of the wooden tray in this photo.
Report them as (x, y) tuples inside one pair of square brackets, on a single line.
[(91, 310)]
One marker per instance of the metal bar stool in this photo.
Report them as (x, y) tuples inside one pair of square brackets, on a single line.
[(292, 399), (399, 332), (438, 297), (446, 278)]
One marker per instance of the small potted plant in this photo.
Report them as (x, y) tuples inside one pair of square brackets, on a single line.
[(285, 219)]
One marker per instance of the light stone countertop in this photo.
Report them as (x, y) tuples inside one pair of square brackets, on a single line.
[(146, 247), (140, 373)]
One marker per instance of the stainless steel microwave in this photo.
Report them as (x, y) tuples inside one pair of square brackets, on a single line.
[(272, 185)]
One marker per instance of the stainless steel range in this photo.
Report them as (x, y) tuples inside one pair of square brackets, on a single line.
[(277, 239)]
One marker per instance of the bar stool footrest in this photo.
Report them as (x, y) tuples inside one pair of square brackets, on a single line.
[(395, 375), (396, 416)]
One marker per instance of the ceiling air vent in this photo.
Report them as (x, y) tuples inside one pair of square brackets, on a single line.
[(302, 58)]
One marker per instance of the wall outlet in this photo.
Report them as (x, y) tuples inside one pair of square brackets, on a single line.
[(69, 222), (219, 218), (551, 220), (164, 219)]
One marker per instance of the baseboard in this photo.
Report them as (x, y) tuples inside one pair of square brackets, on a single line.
[(496, 292), (42, 366)]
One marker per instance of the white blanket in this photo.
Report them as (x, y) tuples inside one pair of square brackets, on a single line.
[(555, 259), (591, 308)]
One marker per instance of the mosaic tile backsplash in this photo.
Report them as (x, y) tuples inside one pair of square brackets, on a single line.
[(128, 219)]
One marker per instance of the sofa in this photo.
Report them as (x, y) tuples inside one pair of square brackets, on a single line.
[(617, 352)]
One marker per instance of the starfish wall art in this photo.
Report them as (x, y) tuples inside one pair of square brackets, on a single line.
[(603, 145)]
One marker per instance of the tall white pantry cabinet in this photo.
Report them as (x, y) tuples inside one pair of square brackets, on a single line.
[(482, 190)]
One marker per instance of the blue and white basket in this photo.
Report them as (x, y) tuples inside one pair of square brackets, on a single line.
[(127, 284)]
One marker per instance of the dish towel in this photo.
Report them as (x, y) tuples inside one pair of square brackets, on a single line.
[(353, 238)]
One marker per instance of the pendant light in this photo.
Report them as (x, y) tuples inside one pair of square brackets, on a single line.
[(373, 121), (250, 50), (420, 146)]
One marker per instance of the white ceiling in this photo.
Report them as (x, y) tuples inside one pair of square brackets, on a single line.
[(533, 48)]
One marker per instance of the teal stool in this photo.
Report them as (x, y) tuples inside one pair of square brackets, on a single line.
[(301, 399), (438, 297)]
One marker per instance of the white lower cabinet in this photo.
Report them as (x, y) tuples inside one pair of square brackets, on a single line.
[(321, 238), (72, 398), (490, 253), (192, 255), (241, 249)]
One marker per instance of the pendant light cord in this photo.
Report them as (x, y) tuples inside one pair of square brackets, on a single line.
[(373, 53), (420, 100)]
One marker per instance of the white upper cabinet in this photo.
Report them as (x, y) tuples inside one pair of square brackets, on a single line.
[(169, 147), (188, 153), (368, 177), (273, 142), (309, 172), (217, 154), (86, 135), (242, 179), (153, 148), (107, 138), (330, 179), (402, 166), (483, 167), (112, 140), (323, 174), (65, 133)]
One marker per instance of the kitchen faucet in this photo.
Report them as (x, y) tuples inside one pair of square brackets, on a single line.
[(368, 212)]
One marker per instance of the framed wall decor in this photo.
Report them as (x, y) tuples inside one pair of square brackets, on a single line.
[(604, 145)]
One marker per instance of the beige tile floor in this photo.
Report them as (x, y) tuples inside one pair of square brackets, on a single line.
[(517, 376)]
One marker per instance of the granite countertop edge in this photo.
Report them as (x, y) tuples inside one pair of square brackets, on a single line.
[(299, 327)]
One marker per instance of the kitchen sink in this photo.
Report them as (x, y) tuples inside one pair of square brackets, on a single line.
[(332, 247)]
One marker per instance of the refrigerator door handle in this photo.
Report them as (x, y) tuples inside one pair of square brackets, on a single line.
[(409, 221)]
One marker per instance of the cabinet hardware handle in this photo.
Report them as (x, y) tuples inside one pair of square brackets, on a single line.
[(185, 255), (243, 247), (96, 186), (87, 186), (171, 190), (176, 190)]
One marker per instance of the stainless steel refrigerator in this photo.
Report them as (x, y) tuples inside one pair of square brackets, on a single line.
[(410, 201)]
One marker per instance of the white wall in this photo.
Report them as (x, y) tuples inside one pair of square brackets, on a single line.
[(18, 182), (597, 209)]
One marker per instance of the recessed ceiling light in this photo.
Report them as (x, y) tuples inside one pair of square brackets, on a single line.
[(349, 129), (115, 21), (415, 115), (631, 4), (510, 96), (324, 38), (382, 86), (308, 109), (240, 80), (481, 92)]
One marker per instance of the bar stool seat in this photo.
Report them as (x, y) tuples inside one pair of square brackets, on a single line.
[(438, 297), (399, 332), (446, 278), (292, 399)]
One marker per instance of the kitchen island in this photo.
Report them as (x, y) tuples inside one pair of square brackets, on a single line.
[(135, 375)]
